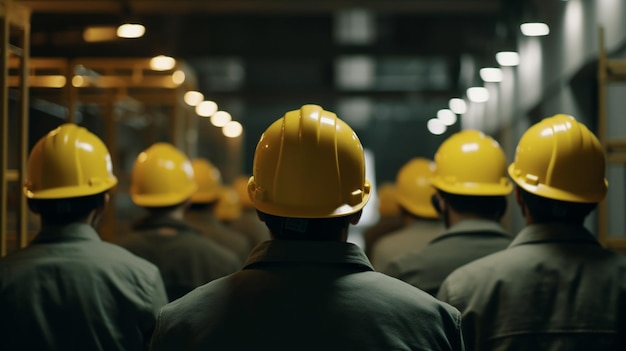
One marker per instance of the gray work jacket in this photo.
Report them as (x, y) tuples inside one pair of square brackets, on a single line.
[(212, 228), (185, 258), (554, 288), (460, 244), (69, 290), (414, 236), (307, 295)]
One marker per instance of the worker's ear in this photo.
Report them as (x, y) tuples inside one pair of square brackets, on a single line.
[(355, 218)]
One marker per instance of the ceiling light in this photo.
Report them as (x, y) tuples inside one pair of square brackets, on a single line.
[(178, 77), (458, 106), (220, 118), (436, 126), (446, 116), (491, 74), (193, 98), (131, 30), (507, 58), (535, 29), (232, 129), (478, 94), (162, 63), (206, 108)]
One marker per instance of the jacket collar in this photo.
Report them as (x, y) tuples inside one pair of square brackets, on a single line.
[(554, 232), (152, 222), (316, 252), (66, 233), (469, 226)]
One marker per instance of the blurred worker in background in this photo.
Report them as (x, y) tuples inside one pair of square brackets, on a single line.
[(389, 219), (471, 188), (162, 182), (228, 207), (201, 212), (555, 287), (69, 290), (249, 223), (421, 222), (308, 289)]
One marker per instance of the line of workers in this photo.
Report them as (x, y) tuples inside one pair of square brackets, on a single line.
[(439, 272)]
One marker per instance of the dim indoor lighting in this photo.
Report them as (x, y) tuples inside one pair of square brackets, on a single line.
[(220, 118), (491, 74), (193, 98), (178, 77), (536, 29), (436, 126), (131, 30), (478, 94), (232, 129), (458, 106), (507, 58), (446, 116), (206, 108), (162, 63)]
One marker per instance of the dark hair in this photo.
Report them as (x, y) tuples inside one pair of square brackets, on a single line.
[(544, 210), (306, 228), (64, 211), (205, 206), (492, 207)]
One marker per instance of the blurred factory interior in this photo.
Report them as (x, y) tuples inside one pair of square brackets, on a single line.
[(388, 67)]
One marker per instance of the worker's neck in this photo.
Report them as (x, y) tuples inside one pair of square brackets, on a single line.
[(456, 217)]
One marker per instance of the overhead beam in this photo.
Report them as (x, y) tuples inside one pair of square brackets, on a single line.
[(266, 6)]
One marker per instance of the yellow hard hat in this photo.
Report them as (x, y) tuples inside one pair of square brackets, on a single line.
[(208, 180), (162, 176), (241, 186), (228, 206), (387, 203), (309, 164), (414, 189), (471, 163), (559, 158), (69, 161)]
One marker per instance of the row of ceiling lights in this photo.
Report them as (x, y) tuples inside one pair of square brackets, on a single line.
[(445, 117), (209, 109), (458, 106), (204, 108)]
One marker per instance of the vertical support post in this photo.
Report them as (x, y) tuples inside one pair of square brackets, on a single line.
[(602, 81), (4, 123), (23, 127)]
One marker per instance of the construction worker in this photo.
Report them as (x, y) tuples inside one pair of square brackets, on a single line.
[(228, 207), (421, 220), (471, 188), (555, 287), (162, 182), (389, 219), (69, 290), (248, 223), (308, 289), (201, 212)]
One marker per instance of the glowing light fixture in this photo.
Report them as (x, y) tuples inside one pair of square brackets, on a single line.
[(478, 94), (232, 129), (534, 29), (507, 58), (206, 108), (162, 63), (178, 77), (446, 116), (436, 126), (458, 106), (131, 30), (193, 98), (220, 118), (489, 74)]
